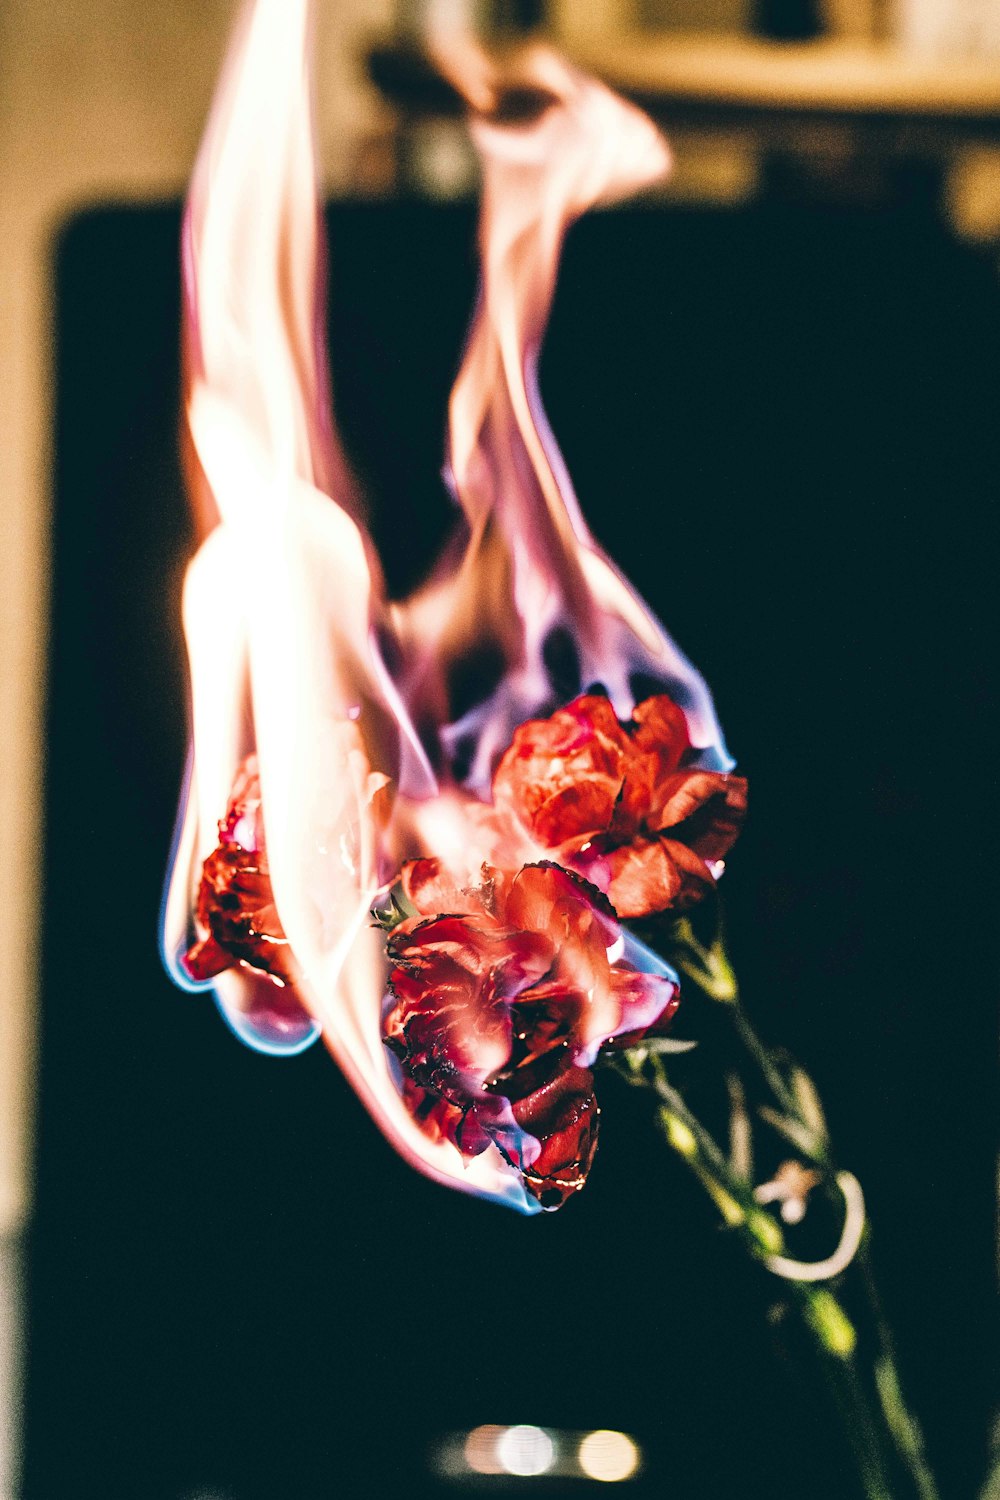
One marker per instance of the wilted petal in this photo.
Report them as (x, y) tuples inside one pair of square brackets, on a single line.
[(562, 1115), (431, 888), (431, 948), (545, 1016), (696, 879), (596, 793), (661, 731), (642, 878), (561, 777), (547, 898), (581, 810), (235, 914), (710, 806), (598, 721), (648, 1003), (499, 1014)]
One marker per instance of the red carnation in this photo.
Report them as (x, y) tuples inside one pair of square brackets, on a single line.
[(235, 912), (502, 1003), (623, 803)]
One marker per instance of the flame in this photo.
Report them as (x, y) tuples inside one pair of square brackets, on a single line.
[(284, 602), (552, 143), (283, 599)]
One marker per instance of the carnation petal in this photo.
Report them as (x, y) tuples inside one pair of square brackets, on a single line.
[(596, 714), (643, 878), (597, 792), (710, 806), (580, 751), (431, 888), (563, 1115), (547, 898), (433, 947), (576, 812), (696, 879), (661, 730), (237, 919), (647, 1001)]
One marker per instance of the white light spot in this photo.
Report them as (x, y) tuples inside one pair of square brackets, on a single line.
[(525, 1451), (244, 834), (617, 949), (608, 1456)]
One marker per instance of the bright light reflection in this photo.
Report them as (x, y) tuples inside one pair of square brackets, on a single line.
[(481, 1449), (525, 1451), (609, 1456)]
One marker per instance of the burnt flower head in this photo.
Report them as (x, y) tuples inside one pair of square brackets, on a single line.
[(502, 997), (626, 805), (235, 915)]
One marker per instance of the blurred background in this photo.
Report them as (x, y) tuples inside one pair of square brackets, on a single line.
[(776, 384)]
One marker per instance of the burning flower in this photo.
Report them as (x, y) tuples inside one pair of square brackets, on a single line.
[(505, 994), (235, 913), (340, 723), (625, 804)]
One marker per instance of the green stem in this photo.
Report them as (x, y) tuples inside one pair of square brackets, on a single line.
[(844, 1380), (901, 1423), (765, 1062), (902, 1427), (823, 1314), (872, 1430)]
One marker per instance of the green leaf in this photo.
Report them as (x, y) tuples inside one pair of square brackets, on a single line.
[(391, 908), (809, 1103), (793, 1130), (662, 1046), (740, 1132)]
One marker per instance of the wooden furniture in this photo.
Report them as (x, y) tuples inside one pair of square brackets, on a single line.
[(899, 100)]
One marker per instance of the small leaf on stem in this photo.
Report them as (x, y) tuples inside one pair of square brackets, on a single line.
[(793, 1130)]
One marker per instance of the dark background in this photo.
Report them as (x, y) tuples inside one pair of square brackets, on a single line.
[(782, 422)]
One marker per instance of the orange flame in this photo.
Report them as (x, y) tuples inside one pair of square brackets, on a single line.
[(284, 600)]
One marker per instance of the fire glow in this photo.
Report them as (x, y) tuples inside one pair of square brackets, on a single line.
[(358, 767)]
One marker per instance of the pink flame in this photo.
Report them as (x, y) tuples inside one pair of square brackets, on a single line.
[(531, 566), (284, 600)]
